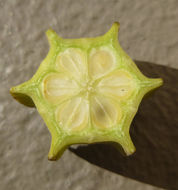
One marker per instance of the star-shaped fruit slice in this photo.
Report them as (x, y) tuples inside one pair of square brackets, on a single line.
[(87, 90)]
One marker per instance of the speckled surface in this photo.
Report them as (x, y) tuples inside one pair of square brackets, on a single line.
[(149, 32)]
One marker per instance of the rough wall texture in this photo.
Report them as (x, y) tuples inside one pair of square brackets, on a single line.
[(148, 32)]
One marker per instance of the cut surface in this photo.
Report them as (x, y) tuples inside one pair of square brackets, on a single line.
[(87, 90), (88, 87)]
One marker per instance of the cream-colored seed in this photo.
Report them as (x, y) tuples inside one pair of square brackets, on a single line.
[(100, 63)]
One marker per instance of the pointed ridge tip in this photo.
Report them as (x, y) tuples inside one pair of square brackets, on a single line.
[(54, 155), (152, 84), (21, 88), (50, 31), (12, 92), (52, 35), (159, 82), (156, 82), (115, 26), (14, 89), (11, 89), (114, 29), (52, 158), (126, 143)]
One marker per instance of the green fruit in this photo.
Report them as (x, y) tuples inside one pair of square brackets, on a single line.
[(87, 90)]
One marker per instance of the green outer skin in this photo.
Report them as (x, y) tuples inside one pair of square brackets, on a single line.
[(30, 94)]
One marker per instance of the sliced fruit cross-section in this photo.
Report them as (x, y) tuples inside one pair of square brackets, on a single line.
[(87, 90)]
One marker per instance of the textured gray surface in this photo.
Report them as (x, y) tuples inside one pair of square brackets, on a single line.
[(149, 32)]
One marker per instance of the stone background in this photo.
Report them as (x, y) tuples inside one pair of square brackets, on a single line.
[(149, 32)]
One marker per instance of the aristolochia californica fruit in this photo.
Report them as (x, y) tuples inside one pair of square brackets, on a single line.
[(87, 90)]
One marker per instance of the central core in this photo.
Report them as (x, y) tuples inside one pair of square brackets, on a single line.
[(87, 88)]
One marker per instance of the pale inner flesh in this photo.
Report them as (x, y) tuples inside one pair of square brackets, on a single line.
[(87, 89)]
